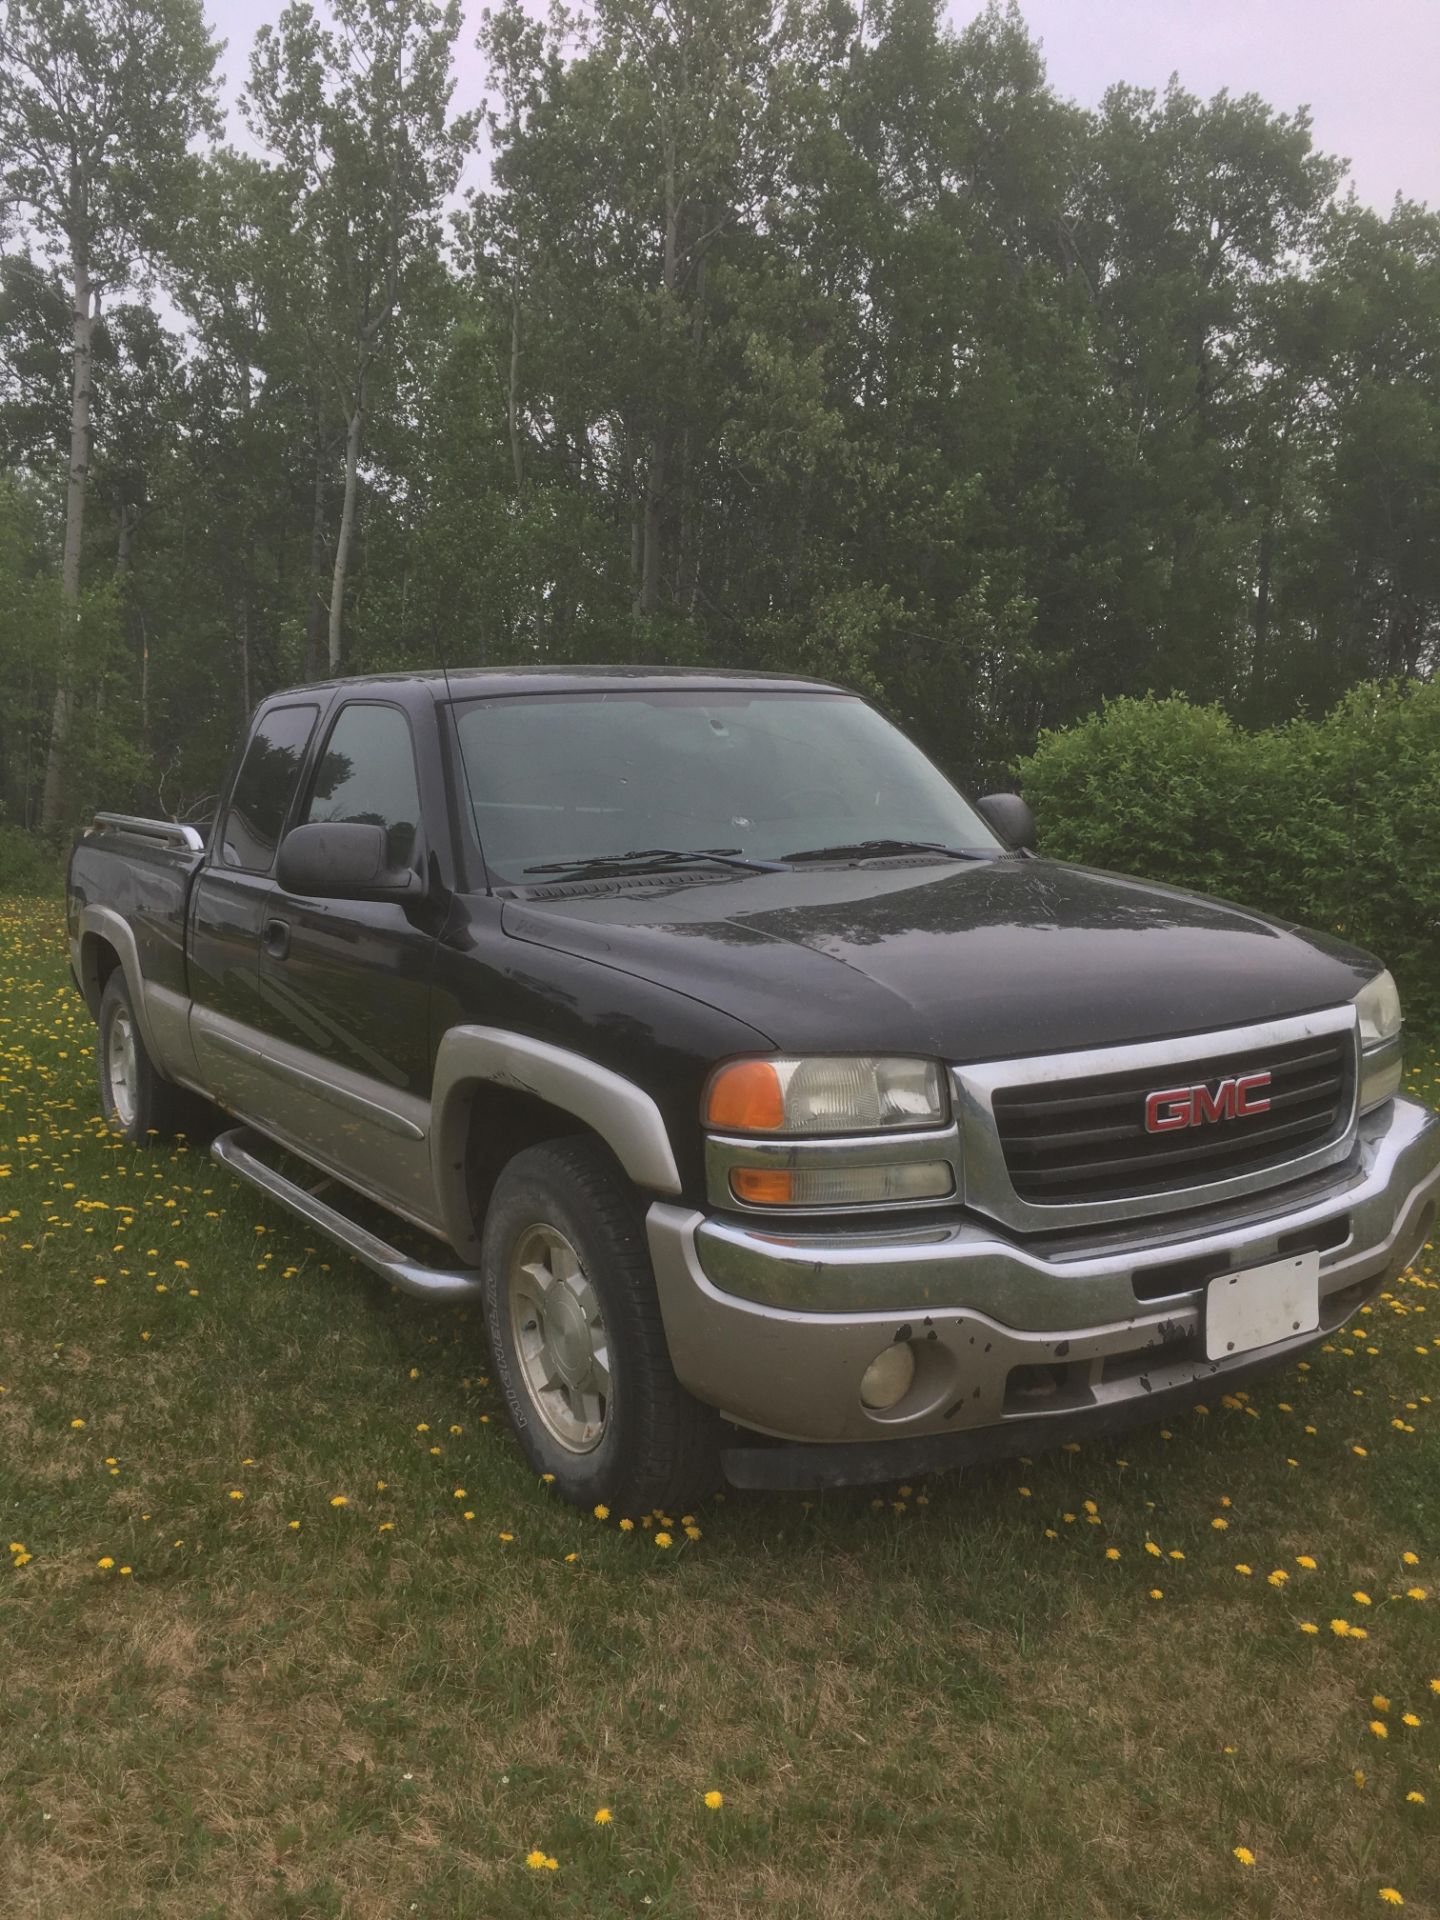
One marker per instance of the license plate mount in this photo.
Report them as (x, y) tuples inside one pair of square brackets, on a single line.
[(1260, 1306)]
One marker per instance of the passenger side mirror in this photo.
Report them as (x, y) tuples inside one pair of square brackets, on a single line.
[(342, 860), (1008, 814)]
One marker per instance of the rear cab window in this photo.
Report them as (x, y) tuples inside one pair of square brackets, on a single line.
[(265, 787)]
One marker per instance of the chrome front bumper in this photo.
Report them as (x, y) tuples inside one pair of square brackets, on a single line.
[(776, 1328)]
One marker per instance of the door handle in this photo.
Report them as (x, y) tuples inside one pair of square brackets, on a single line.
[(276, 938)]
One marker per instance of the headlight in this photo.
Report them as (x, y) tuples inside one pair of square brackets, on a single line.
[(825, 1093), (1377, 1006)]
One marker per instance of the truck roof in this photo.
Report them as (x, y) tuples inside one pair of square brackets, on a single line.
[(480, 681)]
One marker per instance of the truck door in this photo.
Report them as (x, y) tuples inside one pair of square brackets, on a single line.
[(230, 898), (344, 1000)]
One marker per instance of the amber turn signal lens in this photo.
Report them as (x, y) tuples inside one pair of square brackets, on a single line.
[(762, 1186), (746, 1097)]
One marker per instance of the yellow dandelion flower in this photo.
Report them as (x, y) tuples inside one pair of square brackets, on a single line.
[(1244, 1856), (1361, 1599), (1392, 1897), (1410, 1719), (603, 1816), (1305, 1560), (1416, 1593), (106, 1562), (535, 1860), (1278, 1577), (1219, 1525), (714, 1799), (1157, 1593), (1112, 1553), (1340, 1628), (627, 1526), (1410, 1559), (602, 1512), (1308, 1626), (339, 1500), (1416, 1799), (507, 1536), (1240, 1567), (662, 1539), (77, 1423), (1150, 1547), (1359, 1776), (1435, 1686), (236, 1494), (1379, 1729), (125, 1570), (1380, 1702)]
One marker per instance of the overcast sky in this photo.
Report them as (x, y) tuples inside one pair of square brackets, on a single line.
[(1369, 70)]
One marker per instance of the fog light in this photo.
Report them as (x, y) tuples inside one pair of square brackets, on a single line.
[(887, 1378)]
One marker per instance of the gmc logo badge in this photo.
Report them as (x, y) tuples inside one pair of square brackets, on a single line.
[(1235, 1099)]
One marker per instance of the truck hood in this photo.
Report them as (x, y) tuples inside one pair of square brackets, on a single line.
[(963, 962)]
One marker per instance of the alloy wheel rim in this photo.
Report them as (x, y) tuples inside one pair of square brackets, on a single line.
[(120, 1068), (560, 1338)]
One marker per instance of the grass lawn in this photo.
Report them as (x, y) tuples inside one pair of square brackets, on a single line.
[(291, 1629)]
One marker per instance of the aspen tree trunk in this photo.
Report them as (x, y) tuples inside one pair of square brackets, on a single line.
[(315, 624), (347, 522), (657, 476), (82, 330), (513, 396)]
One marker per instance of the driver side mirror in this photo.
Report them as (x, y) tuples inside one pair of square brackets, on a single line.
[(342, 860), (1008, 814)]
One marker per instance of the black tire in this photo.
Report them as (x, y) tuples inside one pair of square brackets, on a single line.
[(658, 1447), (148, 1108)]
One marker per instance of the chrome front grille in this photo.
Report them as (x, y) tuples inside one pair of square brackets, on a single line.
[(1087, 1139), (1058, 1141)]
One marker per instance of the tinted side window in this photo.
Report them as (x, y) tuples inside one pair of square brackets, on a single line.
[(264, 787), (367, 773)]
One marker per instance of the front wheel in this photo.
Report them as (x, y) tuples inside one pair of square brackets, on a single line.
[(578, 1342)]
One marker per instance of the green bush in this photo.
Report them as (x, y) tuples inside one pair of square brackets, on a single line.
[(27, 865), (1334, 823)]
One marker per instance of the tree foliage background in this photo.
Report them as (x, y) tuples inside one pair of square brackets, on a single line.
[(783, 334)]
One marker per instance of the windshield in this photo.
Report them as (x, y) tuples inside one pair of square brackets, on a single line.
[(570, 777)]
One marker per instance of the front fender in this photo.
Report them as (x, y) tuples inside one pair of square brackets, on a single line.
[(624, 1116)]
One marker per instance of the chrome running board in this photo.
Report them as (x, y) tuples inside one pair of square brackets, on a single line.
[(237, 1151)]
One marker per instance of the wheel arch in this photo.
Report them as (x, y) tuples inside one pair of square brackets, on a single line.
[(496, 1093), (106, 944)]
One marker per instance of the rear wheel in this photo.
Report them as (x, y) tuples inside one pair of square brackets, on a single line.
[(578, 1342), (135, 1097)]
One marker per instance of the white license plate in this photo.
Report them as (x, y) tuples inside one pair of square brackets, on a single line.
[(1262, 1305)]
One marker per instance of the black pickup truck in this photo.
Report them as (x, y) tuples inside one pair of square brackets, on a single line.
[(788, 1116)]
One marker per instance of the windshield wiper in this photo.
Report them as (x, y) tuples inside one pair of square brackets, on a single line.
[(641, 857), (873, 849)]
